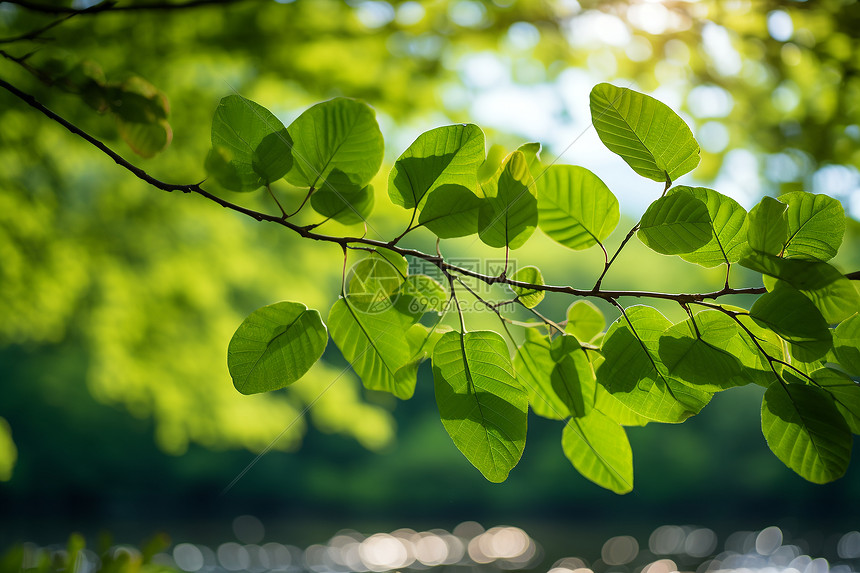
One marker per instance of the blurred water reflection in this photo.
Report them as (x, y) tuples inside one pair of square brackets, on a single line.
[(469, 546)]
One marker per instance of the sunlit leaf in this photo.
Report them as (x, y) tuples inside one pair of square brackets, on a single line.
[(575, 207), (846, 344), (676, 224), (806, 432), (635, 376), (615, 409), (529, 297), (598, 448), (451, 211), (533, 364), (694, 352), (508, 214), (584, 320), (729, 223), (275, 346), (483, 407), (789, 313), (816, 224), (420, 293), (250, 147), (448, 155), (338, 135), (768, 226), (845, 393), (345, 207), (375, 344), (572, 377), (834, 295), (646, 133)]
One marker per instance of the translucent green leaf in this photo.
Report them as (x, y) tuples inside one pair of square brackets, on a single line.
[(339, 135), (790, 314), (8, 451), (529, 297), (275, 346), (646, 133), (374, 279), (508, 214), (634, 374), (599, 450), (584, 320), (695, 353), (146, 139), (344, 206), (495, 156), (572, 377), (250, 147), (728, 222), (816, 224), (846, 344), (575, 207), (806, 432), (420, 294), (757, 368), (845, 393), (483, 407), (676, 224), (141, 112), (612, 407), (376, 344), (533, 364), (768, 226), (451, 211), (531, 151), (448, 155), (831, 292)]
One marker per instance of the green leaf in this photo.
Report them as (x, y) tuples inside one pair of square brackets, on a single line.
[(786, 311), (846, 344), (508, 214), (572, 377), (845, 393), (448, 155), (495, 156), (756, 367), (250, 147), (344, 206), (676, 224), (831, 292), (141, 111), (374, 279), (575, 207), (584, 320), (531, 151), (646, 133), (806, 432), (729, 225), (275, 346), (420, 294), (483, 407), (698, 357), (599, 450), (816, 224), (768, 226), (451, 211), (633, 373), (340, 135), (608, 404), (533, 364), (376, 344), (529, 297)]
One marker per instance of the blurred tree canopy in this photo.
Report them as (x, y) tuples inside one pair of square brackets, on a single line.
[(146, 288)]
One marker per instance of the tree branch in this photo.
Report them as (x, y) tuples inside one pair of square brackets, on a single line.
[(111, 6), (306, 231)]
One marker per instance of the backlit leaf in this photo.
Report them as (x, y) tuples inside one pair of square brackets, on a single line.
[(599, 450), (508, 214), (729, 223), (676, 224), (768, 226), (529, 297), (816, 224), (275, 346), (584, 320)]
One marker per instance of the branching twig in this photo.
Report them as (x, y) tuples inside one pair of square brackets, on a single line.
[(307, 231)]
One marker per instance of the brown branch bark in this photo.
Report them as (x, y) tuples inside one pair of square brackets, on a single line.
[(307, 232)]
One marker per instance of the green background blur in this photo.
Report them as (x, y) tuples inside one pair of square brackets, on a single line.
[(117, 300)]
